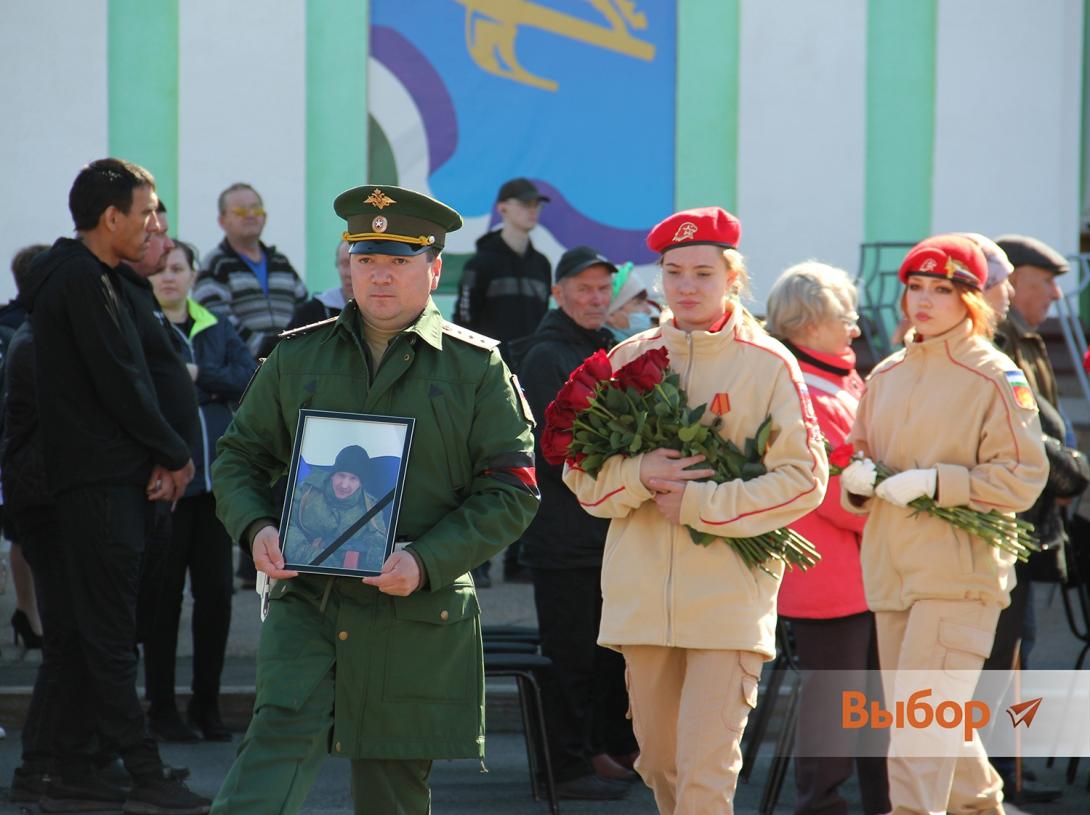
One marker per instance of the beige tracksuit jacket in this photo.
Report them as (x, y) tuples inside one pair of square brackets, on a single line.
[(946, 402), (658, 587)]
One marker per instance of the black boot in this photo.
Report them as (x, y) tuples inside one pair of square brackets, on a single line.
[(205, 717)]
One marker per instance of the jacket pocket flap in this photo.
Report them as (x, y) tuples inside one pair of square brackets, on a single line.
[(451, 605), (959, 637)]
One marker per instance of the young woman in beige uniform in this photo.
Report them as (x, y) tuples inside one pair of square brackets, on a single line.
[(693, 622), (950, 414)]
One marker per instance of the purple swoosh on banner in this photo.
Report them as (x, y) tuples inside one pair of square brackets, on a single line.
[(571, 228), (425, 86)]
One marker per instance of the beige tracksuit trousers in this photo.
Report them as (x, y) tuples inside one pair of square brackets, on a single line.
[(951, 639), (689, 708)]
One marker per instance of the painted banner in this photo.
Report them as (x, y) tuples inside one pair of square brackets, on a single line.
[(577, 95)]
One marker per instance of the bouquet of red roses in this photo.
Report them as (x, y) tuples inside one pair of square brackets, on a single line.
[(640, 408), (1005, 532)]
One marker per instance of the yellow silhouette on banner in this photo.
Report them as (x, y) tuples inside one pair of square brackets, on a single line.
[(492, 25)]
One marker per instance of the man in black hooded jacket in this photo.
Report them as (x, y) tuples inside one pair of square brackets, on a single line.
[(585, 699), (107, 451)]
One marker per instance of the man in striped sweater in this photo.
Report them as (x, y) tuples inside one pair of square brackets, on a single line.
[(254, 285)]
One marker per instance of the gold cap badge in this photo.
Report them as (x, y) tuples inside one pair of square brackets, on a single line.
[(379, 199)]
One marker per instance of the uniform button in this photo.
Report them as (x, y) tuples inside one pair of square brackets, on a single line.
[(444, 614), (338, 747), (407, 357), (343, 635)]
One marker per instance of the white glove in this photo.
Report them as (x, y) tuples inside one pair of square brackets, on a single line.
[(858, 477), (904, 488)]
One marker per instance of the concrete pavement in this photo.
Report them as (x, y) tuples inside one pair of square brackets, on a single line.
[(459, 786)]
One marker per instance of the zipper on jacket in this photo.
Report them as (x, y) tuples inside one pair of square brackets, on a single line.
[(673, 533), (200, 414)]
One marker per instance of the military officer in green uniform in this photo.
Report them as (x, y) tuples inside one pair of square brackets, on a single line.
[(385, 671)]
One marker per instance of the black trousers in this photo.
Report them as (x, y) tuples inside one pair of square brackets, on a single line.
[(584, 696), (102, 530), (157, 534), (842, 644), (63, 689), (1008, 636), (200, 546)]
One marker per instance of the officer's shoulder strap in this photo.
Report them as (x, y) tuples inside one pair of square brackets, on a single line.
[(305, 329), (469, 337)]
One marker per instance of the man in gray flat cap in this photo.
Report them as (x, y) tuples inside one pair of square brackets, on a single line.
[(1036, 269)]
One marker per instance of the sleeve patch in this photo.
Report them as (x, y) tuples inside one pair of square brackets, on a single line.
[(1023, 396), (524, 404)]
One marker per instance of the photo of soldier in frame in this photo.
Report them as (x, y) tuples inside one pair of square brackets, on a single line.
[(344, 490)]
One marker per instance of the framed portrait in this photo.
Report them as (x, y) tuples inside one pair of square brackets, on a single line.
[(344, 492)]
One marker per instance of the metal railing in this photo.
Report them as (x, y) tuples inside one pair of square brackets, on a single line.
[(879, 294), (1067, 310)]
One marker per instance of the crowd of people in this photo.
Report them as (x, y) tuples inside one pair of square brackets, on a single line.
[(142, 440)]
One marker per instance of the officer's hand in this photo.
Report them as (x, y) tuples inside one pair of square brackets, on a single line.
[(668, 496), (160, 485), (668, 465), (400, 575), (267, 556)]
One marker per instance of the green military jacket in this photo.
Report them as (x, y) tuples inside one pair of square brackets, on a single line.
[(409, 672)]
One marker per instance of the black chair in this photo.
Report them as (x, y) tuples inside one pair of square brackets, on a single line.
[(525, 669), (511, 633), (785, 664)]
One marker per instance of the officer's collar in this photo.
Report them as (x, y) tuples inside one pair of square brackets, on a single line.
[(428, 326)]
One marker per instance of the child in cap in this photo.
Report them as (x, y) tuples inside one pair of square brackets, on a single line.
[(950, 414), (694, 623)]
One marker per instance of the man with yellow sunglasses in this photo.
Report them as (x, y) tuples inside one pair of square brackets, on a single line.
[(250, 282)]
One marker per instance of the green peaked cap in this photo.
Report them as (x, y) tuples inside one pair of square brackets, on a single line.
[(393, 220)]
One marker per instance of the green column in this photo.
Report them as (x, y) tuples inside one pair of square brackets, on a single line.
[(142, 81), (901, 40), (706, 169), (337, 47)]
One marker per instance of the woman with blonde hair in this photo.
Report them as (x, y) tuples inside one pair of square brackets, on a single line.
[(812, 310), (953, 417), (694, 623)]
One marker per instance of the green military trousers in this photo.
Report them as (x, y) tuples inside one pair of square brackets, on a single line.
[(288, 738)]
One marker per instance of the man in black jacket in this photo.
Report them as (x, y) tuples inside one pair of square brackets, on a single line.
[(504, 290), (177, 399), (107, 451), (504, 293), (585, 699)]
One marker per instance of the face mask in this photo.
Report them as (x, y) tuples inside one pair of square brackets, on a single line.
[(637, 321)]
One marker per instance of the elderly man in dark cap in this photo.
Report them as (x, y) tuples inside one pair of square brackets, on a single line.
[(1034, 279), (590, 740), (388, 671)]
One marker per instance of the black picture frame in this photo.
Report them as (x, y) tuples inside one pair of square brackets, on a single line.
[(345, 485)]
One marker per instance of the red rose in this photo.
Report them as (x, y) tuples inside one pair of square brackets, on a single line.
[(841, 457), (559, 416), (584, 381), (645, 371), (597, 366), (554, 444)]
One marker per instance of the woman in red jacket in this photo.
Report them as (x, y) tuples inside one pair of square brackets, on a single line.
[(811, 309)]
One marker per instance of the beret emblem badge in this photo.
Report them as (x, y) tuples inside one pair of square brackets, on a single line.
[(685, 232), (929, 265)]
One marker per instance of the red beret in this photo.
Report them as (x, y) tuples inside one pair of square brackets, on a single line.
[(954, 257), (705, 225)]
